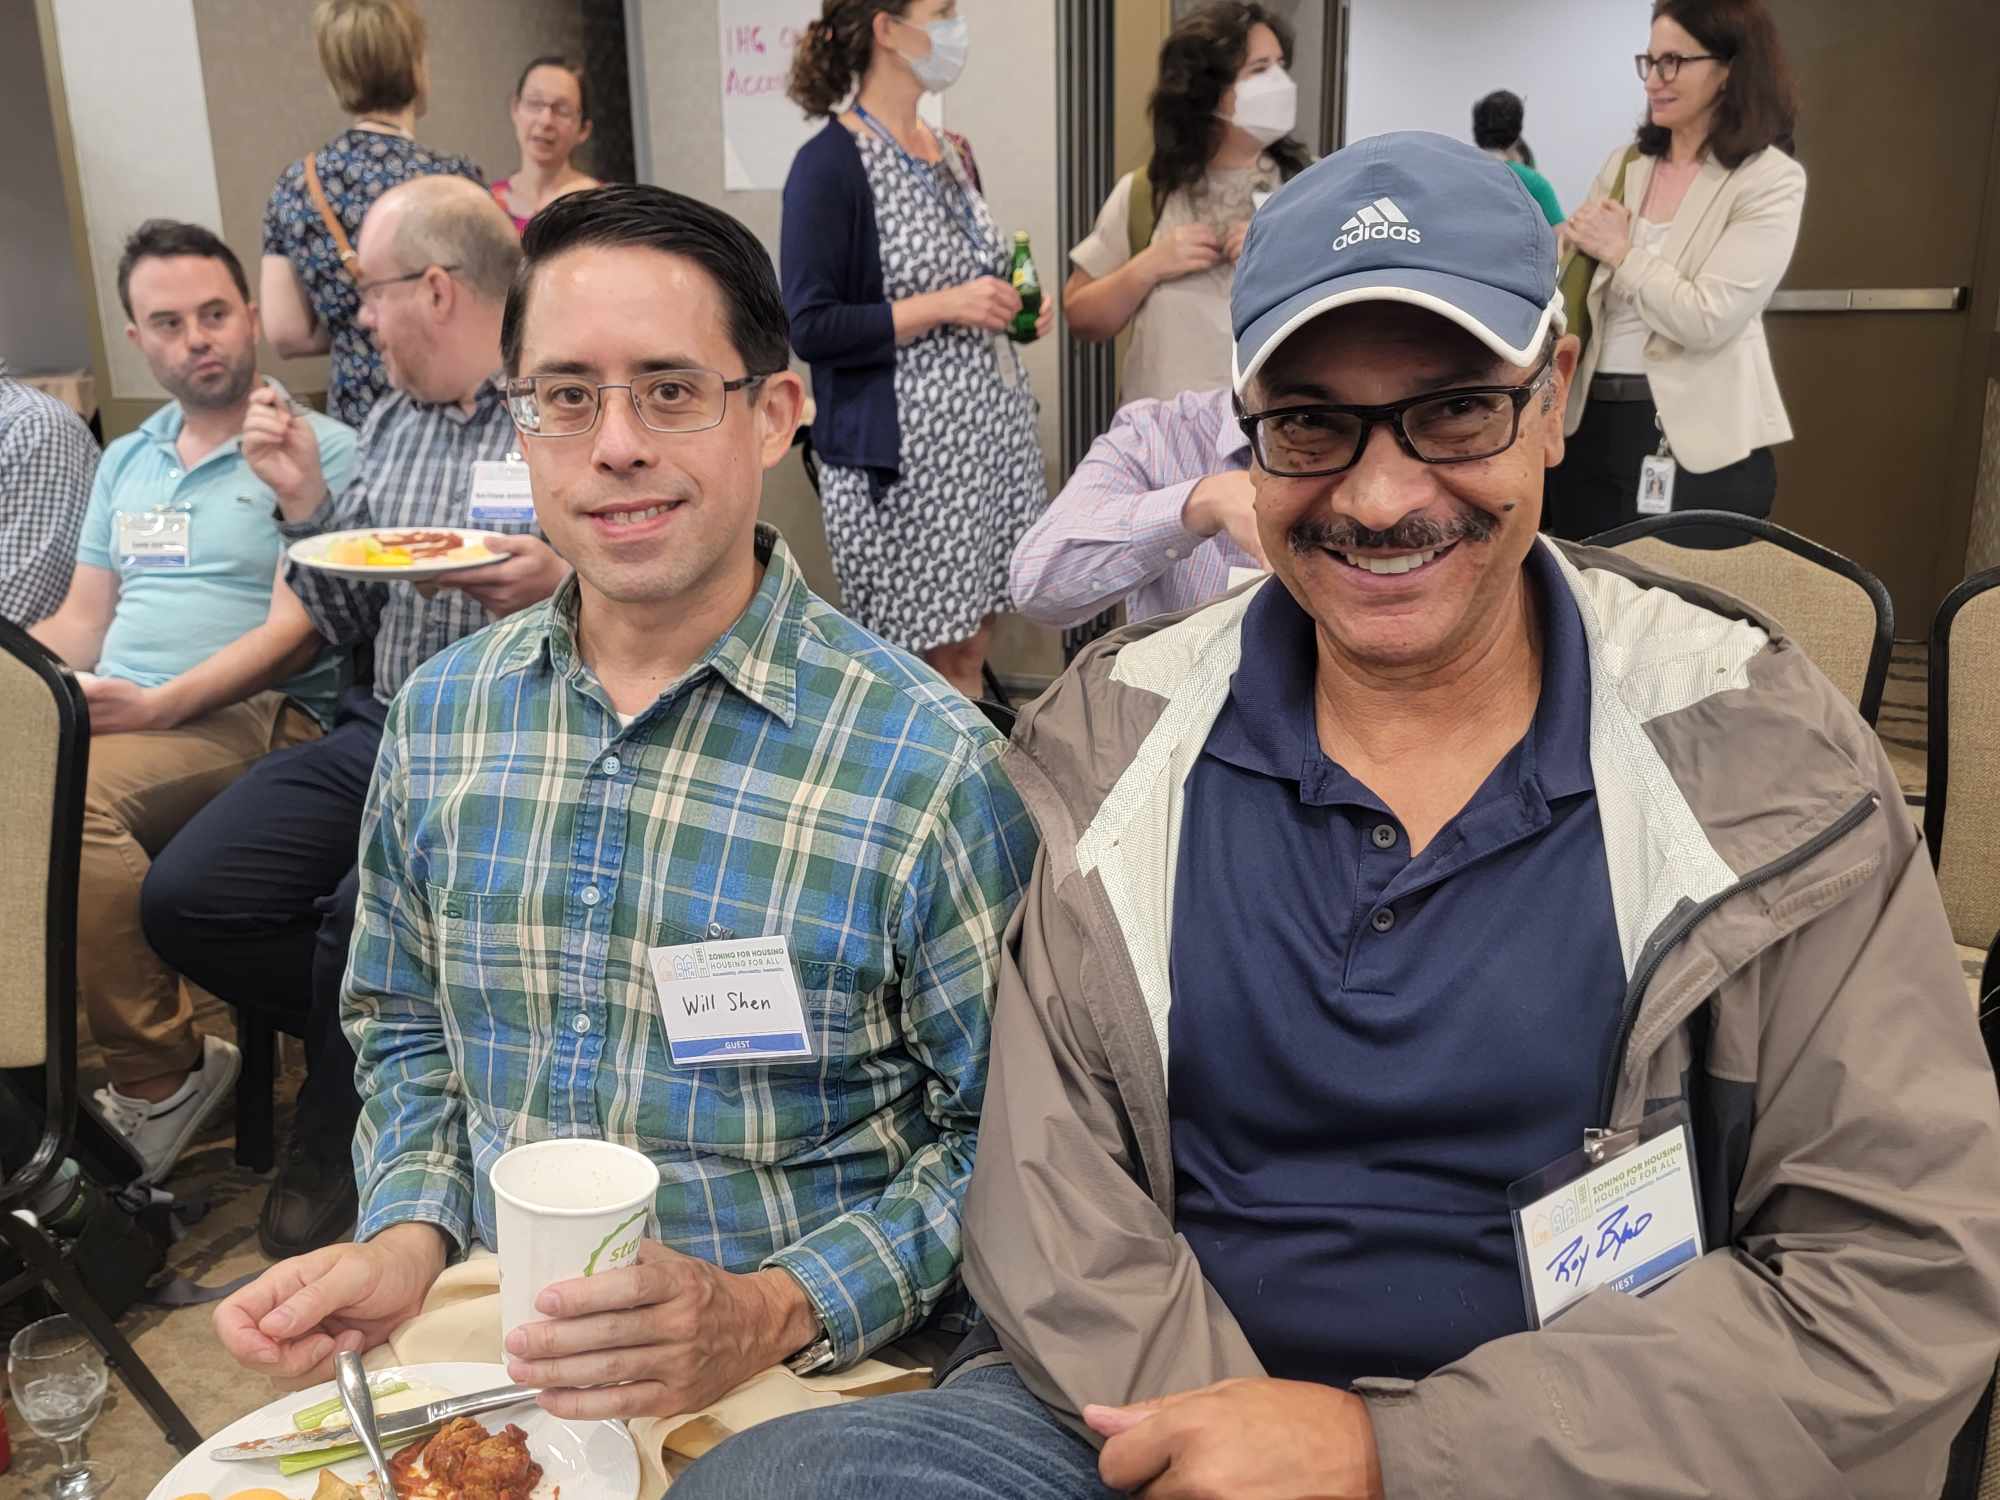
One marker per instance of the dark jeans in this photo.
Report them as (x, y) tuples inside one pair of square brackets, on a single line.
[(1596, 487), (253, 900), (983, 1437)]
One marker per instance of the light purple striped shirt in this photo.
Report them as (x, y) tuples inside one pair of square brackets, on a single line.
[(1115, 532)]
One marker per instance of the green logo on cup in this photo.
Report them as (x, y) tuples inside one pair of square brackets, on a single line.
[(590, 1266)]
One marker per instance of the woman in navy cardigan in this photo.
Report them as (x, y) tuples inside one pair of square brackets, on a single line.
[(894, 282)]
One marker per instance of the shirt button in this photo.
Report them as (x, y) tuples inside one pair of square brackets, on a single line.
[(612, 766), (581, 1025), (1383, 920), (589, 895), (1384, 835)]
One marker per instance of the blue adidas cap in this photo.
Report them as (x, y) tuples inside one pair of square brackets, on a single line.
[(1408, 217)]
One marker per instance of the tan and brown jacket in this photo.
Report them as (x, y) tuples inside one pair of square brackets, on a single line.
[(1791, 976)]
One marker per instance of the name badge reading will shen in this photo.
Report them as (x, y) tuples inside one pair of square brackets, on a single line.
[(1623, 1214), (731, 1001)]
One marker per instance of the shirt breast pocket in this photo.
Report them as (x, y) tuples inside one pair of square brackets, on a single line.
[(496, 993), (758, 1112)]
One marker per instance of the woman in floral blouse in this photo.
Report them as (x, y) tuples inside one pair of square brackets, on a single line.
[(373, 55)]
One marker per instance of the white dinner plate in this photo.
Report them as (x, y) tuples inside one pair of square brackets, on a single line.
[(586, 1460), (313, 553)]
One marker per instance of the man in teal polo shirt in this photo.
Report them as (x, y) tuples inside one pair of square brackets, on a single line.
[(198, 660)]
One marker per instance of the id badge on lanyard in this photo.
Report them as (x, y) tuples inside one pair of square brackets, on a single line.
[(1656, 478), (1623, 1213), (154, 539)]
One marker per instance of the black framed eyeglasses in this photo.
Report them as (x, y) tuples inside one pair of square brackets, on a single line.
[(368, 290), (1459, 426), (690, 400), (1669, 63)]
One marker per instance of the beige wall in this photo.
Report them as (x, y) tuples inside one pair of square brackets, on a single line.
[(1005, 104), (44, 324)]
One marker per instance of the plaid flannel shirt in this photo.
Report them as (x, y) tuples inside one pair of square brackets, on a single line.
[(47, 461), (521, 852)]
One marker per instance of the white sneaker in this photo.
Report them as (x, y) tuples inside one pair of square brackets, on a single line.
[(159, 1133)]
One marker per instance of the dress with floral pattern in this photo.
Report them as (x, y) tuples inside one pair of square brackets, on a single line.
[(355, 168)]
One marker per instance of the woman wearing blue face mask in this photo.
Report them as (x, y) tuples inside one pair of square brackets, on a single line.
[(1163, 253), (894, 279)]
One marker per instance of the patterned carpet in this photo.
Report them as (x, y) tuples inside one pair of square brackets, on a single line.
[(222, 1245)]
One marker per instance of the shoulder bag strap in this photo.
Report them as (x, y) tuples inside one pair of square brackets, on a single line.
[(327, 216)]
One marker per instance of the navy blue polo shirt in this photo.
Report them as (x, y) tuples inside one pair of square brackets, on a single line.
[(1364, 1048)]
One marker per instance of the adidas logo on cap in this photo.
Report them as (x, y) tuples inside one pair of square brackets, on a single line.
[(1380, 220)]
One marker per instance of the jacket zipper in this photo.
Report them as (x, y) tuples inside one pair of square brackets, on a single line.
[(1635, 993)]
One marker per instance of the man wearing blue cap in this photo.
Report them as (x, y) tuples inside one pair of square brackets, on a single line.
[(1482, 1022)]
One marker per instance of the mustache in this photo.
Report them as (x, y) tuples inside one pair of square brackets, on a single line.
[(1412, 533)]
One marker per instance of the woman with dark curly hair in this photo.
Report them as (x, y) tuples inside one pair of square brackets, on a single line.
[(894, 278), (1163, 253)]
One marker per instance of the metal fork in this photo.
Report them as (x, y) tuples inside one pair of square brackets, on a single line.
[(351, 1381)]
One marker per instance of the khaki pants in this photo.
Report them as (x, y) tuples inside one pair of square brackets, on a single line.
[(143, 787)]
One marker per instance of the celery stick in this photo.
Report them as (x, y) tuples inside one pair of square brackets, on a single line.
[(315, 1415), (319, 1458)]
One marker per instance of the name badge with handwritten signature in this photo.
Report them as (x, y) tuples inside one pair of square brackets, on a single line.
[(1624, 1212)]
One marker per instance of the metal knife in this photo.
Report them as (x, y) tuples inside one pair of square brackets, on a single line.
[(393, 1427)]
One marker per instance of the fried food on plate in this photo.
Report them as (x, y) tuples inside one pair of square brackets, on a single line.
[(463, 1461)]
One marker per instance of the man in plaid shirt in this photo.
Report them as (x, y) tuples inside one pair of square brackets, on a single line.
[(685, 744), (47, 461)]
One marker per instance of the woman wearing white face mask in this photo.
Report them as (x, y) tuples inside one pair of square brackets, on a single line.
[(1163, 253), (893, 271)]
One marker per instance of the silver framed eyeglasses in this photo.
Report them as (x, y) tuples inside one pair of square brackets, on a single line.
[(690, 400), (1459, 426)]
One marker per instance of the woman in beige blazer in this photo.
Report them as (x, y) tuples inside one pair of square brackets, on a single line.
[(1688, 257)]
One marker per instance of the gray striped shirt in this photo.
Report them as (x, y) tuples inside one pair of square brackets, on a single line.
[(414, 470)]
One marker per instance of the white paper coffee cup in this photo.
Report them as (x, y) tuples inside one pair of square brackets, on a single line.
[(564, 1209)]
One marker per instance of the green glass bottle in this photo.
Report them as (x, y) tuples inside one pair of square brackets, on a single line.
[(1028, 282)]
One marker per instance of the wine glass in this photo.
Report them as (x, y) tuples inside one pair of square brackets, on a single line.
[(58, 1376)]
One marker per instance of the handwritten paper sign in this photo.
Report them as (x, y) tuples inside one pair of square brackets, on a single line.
[(762, 129)]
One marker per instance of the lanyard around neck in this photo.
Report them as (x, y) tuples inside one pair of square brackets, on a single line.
[(968, 221)]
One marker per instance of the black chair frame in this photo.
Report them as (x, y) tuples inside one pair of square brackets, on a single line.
[(1937, 768), (43, 1260), (1769, 531)]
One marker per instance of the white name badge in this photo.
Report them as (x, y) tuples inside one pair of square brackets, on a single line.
[(1624, 1215), (501, 494), (1656, 485), (730, 1001), (155, 538)]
